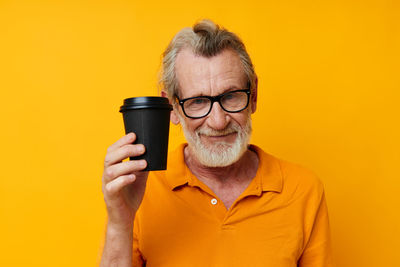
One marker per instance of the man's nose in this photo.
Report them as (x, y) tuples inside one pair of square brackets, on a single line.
[(218, 118)]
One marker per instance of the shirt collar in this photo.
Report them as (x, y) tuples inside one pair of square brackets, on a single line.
[(177, 174), (269, 175)]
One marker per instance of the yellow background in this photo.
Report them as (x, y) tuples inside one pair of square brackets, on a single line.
[(328, 99)]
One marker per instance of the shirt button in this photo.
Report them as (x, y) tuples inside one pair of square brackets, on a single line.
[(214, 201)]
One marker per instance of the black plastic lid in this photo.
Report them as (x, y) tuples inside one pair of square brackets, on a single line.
[(145, 102)]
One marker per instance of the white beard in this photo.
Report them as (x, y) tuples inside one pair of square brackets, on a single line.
[(218, 154)]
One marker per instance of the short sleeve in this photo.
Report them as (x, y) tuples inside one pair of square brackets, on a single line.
[(318, 251)]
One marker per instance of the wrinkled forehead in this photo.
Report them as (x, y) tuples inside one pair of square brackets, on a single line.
[(199, 75)]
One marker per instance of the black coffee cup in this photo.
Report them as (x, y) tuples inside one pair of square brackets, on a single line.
[(148, 117)]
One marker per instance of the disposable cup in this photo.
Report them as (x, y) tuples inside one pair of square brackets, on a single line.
[(148, 117)]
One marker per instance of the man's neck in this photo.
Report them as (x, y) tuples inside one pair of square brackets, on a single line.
[(228, 183)]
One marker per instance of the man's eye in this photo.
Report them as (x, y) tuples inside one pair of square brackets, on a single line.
[(229, 96), (196, 103), (199, 101)]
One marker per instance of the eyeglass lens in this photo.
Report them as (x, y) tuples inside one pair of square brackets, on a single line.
[(231, 102)]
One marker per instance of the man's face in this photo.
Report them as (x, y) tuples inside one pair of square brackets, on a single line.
[(220, 138)]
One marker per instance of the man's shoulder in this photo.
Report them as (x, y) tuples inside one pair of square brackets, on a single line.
[(175, 174), (294, 176)]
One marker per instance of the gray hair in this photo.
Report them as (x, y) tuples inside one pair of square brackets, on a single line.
[(206, 39)]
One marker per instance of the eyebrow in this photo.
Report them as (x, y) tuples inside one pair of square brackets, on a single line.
[(232, 88)]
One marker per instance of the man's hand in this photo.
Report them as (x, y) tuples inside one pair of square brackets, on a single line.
[(123, 189), (123, 182)]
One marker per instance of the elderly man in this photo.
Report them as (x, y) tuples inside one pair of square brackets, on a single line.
[(221, 202)]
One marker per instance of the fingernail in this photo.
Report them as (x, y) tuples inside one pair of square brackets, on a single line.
[(141, 148)]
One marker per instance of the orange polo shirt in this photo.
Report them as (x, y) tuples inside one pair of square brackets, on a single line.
[(280, 220)]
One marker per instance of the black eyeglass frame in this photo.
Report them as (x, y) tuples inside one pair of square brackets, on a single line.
[(215, 99)]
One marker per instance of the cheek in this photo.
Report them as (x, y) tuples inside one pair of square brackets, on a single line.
[(193, 125), (241, 119), (190, 124)]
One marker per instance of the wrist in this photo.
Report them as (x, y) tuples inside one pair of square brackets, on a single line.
[(119, 228), (118, 246)]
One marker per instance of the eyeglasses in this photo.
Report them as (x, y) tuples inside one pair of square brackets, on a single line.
[(200, 106)]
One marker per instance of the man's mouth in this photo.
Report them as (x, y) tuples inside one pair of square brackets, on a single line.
[(219, 135), (227, 137)]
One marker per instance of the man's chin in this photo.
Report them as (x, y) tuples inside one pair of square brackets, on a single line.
[(220, 154), (217, 146)]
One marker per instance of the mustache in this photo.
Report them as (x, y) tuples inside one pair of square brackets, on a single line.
[(207, 131)]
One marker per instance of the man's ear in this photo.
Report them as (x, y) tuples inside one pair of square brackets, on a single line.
[(254, 96), (174, 117)]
